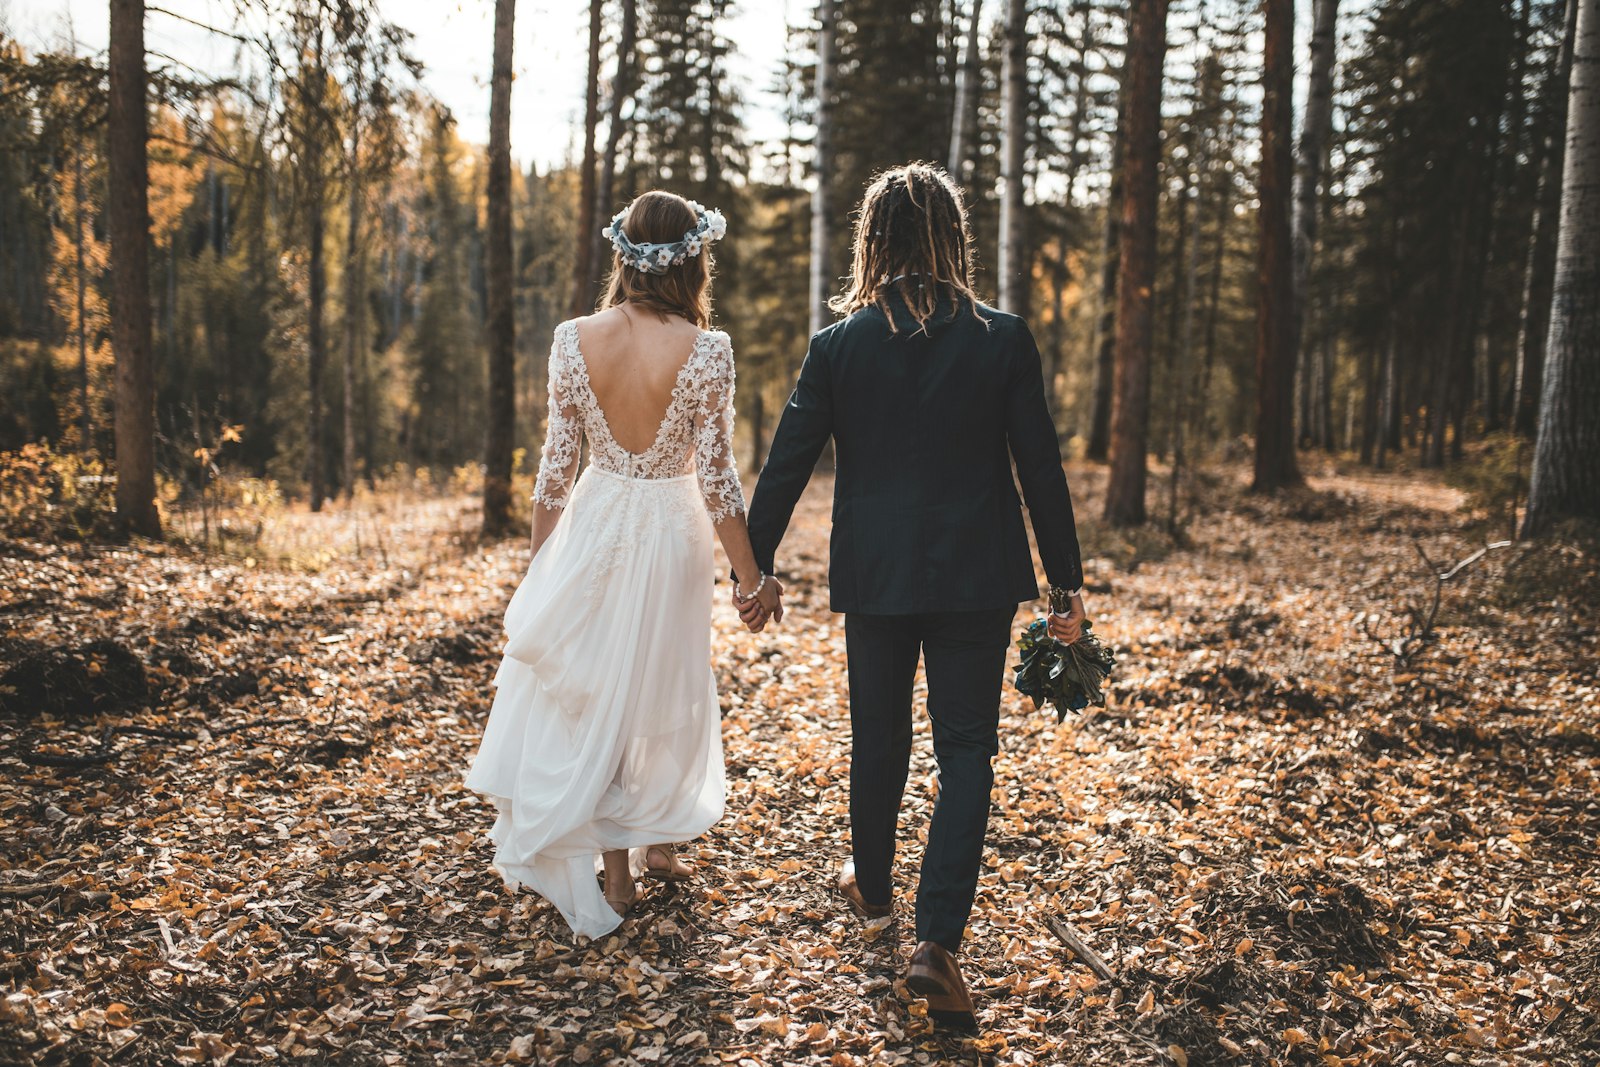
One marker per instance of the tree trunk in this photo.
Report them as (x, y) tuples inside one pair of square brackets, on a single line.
[(79, 199), (128, 223), (499, 281), (583, 271), (1534, 319), (1106, 330), (966, 79), (1080, 105), (1275, 343), (1013, 266), (1566, 478), (621, 91), (1313, 150), (1130, 416), (353, 304), (316, 343), (823, 168), (758, 428)]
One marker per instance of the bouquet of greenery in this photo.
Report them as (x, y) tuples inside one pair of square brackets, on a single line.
[(1071, 677)]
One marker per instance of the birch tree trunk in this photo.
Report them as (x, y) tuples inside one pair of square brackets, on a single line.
[(502, 324), (1313, 152), (1566, 478), (1533, 321), (1130, 414), (583, 262), (823, 165), (1275, 466), (1013, 265), (128, 224), (621, 91), (966, 79)]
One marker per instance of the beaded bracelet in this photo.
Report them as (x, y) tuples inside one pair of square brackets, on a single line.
[(753, 593)]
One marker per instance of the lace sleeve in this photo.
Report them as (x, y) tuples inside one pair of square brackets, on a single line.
[(558, 461), (713, 440)]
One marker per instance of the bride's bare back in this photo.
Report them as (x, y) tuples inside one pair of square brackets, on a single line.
[(634, 360)]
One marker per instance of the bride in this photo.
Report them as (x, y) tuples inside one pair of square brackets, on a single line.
[(604, 739)]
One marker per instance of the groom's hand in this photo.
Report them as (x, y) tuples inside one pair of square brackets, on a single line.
[(1069, 627)]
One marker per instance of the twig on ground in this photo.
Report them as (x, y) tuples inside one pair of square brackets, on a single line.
[(1089, 956), (1423, 618)]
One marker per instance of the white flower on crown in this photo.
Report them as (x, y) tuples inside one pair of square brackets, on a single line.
[(716, 225), (664, 256)]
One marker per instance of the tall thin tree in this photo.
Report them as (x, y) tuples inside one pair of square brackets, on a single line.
[(583, 260), (1013, 266), (822, 165), (498, 281), (1313, 152), (1105, 335), (354, 283), (621, 91), (965, 112), (1566, 477), (1533, 322), (1275, 466), (128, 223), (1141, 124)]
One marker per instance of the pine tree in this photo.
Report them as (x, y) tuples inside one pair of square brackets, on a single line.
[(1275, 466), (822, 167), (583, 263), (1130, 415), (1014, 272), (622, 89), (129, 226), (499, 445)]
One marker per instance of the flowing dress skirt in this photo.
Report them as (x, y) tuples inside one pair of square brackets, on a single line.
[(605, 731)]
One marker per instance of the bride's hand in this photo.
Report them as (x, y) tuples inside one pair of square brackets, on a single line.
[(756, 611)]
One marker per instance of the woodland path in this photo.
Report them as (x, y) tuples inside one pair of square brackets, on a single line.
[(1290, 848)]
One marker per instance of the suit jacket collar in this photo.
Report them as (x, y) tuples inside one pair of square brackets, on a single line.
[(905, 322)]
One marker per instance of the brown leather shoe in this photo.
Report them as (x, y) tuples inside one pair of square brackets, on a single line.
[(933, 974), (852, 893)]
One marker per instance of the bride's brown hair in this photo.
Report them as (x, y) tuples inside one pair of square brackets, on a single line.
[(685, 289), (912, 236)]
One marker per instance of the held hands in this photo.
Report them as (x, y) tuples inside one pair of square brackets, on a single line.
[(1069, 627), (766, 605)]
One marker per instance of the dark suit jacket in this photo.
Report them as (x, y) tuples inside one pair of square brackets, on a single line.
[(925, 427)]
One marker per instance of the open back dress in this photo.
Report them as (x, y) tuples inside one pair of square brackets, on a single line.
[(605, 728)]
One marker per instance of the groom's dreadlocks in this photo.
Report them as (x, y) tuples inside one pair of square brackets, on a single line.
[(911, 236)]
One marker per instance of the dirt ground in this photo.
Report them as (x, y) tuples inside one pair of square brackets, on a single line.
[(233, 827)]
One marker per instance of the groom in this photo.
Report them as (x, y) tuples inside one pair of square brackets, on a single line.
[(929, 397)]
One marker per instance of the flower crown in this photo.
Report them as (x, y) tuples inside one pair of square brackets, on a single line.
[(657, 257)]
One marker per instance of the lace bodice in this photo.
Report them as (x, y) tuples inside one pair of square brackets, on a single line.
[(697, 429)]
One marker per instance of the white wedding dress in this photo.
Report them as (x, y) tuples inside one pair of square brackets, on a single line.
[(605, 729)]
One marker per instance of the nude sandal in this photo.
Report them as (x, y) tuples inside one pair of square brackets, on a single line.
[(672, 871)]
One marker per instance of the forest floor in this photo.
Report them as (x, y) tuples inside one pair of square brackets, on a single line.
[(234, 825)]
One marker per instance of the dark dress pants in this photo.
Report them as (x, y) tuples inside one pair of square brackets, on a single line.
[(965, 656)]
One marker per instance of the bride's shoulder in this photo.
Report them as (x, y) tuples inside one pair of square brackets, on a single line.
[(719, 342)]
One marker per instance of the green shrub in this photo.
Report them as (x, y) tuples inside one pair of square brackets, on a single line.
[(1494, 477)]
